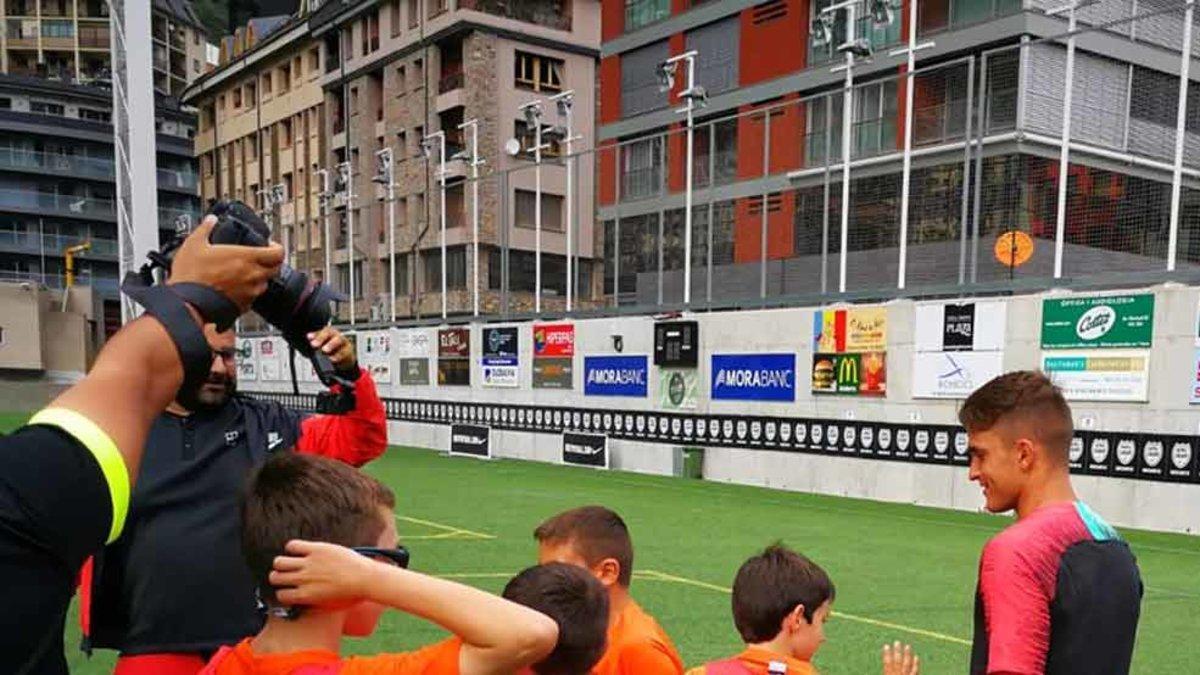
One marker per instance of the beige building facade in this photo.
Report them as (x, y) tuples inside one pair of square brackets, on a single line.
[(350, 79)]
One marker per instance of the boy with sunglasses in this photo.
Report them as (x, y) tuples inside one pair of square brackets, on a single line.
[(320, 539)]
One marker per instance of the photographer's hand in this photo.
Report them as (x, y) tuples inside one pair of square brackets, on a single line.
[(240, 273), (337, 347)]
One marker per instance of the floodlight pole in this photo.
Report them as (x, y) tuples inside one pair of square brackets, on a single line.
[(1060, 227), (387, 176), (346, 169), (439, 137), (473, 125), (690, 95), (533, 114), (906, 173), (1180, 130), (566, 103), (323, 201)]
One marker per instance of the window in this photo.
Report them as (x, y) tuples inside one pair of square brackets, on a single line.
[(436, 7), (266, 84), (252, 147), (456, 268), (206, 164), (373, 30), (401, 268), (287, 186), (285, 134), (878, 36), (400, 81), (195, 65), (343, 279), (250, 94), (401, 145), (418, 74), (57, 29), (522, 272), (538, 73), (221, 103), (353, 101), (402, 211), (639, 13), (314, 60), (394, 17), (552, 210), (5, 103), (414, 12), (285, 79), (297, 69), (641, 168), (44, 108), (419, 207), (237, 98), (95, 115)]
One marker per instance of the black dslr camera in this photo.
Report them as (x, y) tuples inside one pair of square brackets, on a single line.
[(293, 302)]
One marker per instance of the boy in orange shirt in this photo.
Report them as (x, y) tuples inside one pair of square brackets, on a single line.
[(781, 601), (320, 539), (595, 538)]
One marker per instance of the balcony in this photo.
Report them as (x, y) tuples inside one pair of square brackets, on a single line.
[(103, 284), (21, 32), (65, 204), (452, 79), (54, 244), (90, 167), (547, 13), (167, 217), (94, 37), (183, 180)]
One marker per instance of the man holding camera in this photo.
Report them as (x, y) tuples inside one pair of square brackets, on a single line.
[(173, 589)]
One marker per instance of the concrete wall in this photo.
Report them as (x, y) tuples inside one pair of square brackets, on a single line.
[(21, 345), (1152, 504)]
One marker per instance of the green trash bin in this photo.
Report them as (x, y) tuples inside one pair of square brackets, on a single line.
[(693, 463)]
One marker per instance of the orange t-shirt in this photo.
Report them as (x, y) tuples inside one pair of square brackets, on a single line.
[(637, 645), (438, 659), (757, 660)]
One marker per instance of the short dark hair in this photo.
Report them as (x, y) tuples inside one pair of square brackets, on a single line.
[(770, 585), (299, 496), (595, 532), (577, 602), (1027, 396)]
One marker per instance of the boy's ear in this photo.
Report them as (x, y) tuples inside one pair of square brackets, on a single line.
[(795, 619), (608, 571)]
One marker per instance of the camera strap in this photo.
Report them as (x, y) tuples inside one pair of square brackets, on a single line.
[(195, 354)]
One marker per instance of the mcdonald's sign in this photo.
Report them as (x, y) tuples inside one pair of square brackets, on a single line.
[(856, 374)]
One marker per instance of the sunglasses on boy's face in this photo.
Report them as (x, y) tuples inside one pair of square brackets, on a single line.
[(393, 556)]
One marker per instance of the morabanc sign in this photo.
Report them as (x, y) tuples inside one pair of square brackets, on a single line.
[(1104, 322)]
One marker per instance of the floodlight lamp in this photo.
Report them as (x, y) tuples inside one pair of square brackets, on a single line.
[(564, 104), (533, 113), (665, 72)]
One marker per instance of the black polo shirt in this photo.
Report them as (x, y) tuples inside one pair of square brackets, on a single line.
[(176, 580), (61, 481)]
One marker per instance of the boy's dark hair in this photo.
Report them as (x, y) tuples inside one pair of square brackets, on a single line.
[(1025, 396), (768, 587), (298, 496), (577, 602), (595, 532)]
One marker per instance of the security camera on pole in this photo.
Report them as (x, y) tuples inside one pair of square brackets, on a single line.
[(427, 143), (694, 97), (854, 48), (323, 199), (564, 102), (385, 174), (475, 162), (346, 185)]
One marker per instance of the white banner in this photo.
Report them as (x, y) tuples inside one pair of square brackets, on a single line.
[(953, 374), (413, 343), (375, 354), (1106, 375), (971, 326), (272, 356), (500, 376)]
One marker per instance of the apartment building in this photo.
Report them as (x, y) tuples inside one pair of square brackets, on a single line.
[(69, 40), (987, 127), (351, 78), (57, 171)]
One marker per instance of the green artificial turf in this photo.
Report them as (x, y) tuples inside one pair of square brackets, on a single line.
[(902, 572)]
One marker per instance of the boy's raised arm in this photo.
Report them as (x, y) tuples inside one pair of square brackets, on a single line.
[(498, 636)]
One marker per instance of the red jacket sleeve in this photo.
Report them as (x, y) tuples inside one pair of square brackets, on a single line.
[(354, 438)]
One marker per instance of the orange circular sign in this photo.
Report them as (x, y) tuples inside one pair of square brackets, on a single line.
[(1014, 248)]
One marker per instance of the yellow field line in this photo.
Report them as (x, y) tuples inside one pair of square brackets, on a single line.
[(655, 575), (445, 528), (476, 575), (443, 535)]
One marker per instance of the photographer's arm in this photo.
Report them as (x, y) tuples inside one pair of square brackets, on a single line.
[(358, 436)]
